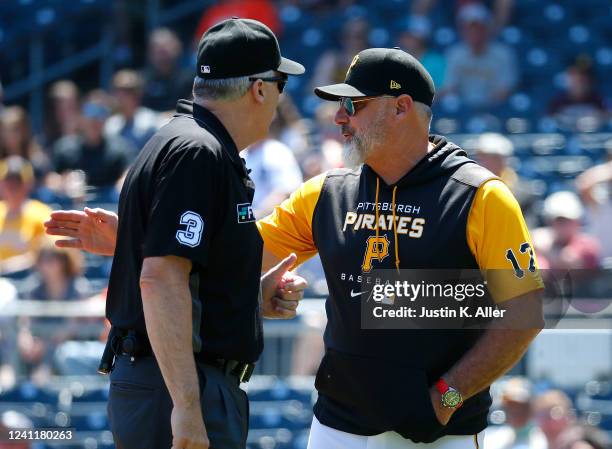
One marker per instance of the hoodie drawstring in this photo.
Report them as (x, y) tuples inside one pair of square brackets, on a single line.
[(376, 214), (395, 242), (397, 259)]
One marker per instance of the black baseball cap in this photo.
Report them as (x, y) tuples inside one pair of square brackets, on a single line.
[(241, 47), (383, 71)]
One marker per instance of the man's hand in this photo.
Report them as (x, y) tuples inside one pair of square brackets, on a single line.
[(282, 290), (92, 230), (442, 413), (188, 430)]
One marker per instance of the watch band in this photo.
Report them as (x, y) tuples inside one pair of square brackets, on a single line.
[(442, 386)]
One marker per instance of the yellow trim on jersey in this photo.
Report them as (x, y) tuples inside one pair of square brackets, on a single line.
[(496, 226), (289, 227)]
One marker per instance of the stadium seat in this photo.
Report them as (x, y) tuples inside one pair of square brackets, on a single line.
[(28, 392)]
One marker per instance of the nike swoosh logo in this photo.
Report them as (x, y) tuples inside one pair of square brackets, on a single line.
[(353, 294)]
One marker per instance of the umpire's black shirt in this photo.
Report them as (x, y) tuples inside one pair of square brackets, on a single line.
[(188, 194)]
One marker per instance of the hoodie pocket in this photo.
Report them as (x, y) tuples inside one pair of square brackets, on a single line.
[(379, 394)]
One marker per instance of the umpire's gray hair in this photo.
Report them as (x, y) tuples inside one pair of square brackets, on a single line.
[(226, 89), (424, 113)]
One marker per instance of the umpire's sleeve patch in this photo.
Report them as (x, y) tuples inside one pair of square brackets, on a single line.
[(192, 226)]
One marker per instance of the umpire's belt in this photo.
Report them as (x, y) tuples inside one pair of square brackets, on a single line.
[(241, 370), (131, 343)]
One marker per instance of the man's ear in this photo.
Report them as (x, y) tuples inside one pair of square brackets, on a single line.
[(257, 91), (403, 105)]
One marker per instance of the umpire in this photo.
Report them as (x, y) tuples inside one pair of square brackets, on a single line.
[(185, 278)]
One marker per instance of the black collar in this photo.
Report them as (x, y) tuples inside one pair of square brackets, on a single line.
[(208, 120)]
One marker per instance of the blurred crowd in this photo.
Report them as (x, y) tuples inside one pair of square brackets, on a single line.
[(544, 419), (89, 138)]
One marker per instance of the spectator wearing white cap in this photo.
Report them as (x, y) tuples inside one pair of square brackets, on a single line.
[(562, 245), (493, 152), (519, 431), (481, 72)]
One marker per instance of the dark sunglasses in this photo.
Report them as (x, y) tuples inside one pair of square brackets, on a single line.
[(349, 104), (280, 81)]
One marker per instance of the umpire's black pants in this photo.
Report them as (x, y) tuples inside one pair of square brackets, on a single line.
[(139, 406)]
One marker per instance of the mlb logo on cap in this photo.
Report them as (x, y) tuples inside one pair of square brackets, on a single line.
[(205, 68)]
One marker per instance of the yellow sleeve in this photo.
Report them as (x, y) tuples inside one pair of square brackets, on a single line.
[(499, 240), (289, 228)]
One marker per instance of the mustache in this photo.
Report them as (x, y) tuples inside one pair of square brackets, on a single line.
[(346, 129)]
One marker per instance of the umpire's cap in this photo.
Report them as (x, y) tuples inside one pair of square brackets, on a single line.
[(240, 47), (383, 71)]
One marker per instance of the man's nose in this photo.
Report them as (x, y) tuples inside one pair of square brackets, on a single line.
[(341, 116)]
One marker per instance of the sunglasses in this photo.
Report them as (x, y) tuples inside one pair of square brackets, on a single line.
[(280, 81), (349, 104)]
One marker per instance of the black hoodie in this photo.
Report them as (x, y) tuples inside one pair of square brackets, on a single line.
[(372, 381)]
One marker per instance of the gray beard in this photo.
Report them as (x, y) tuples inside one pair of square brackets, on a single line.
[(355, 152), (360, 147)]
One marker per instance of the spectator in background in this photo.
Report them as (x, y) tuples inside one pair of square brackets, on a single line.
[(56, 276), (492, 152), (481, 72), (102, 158), (502, 9), (332, 65), (595, 188), (1, 97), (16, 140), (561, 245), (274, 171), (519, 431), (291, 128), (132, 121), (165, 82), (415, 40), (63, 112), (580, 100), (584, 437), (328, 149), (21, 219), (554, 415)]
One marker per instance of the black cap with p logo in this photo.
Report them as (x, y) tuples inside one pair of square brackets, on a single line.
[(383, 71)]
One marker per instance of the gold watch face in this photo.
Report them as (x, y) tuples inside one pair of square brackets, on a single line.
[(451, 399)]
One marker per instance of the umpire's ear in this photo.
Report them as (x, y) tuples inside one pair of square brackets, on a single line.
[(257, 91)]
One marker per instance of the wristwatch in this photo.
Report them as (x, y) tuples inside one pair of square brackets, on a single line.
[(451, 398)]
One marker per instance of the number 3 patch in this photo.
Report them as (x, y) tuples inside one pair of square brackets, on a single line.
[(192, 235)]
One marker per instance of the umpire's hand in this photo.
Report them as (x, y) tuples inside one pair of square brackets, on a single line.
[(92, 230), (282, 290), (188, 431)]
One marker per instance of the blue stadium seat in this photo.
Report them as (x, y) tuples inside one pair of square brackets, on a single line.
[(28, 392)]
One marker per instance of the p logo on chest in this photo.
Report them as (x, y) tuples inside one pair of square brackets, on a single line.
[(377, 248)]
